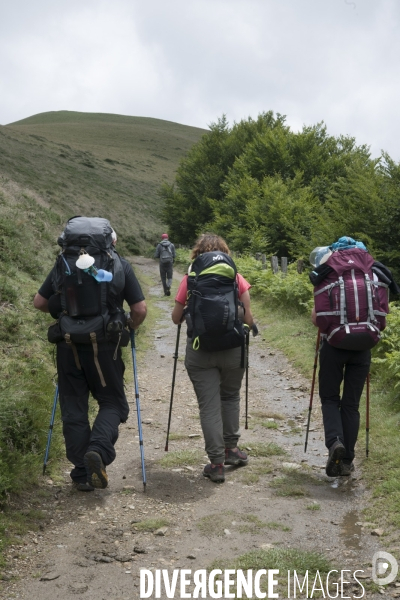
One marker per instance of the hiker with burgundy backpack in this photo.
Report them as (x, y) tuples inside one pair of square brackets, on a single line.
[(351, 302), (85, 292), (215, 301), (165, 252)]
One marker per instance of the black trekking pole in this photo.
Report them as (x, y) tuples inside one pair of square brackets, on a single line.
[(173, 384), (367, 420), (247, 378), (139, 418), (312, 388), (53, 413), (254, 330)]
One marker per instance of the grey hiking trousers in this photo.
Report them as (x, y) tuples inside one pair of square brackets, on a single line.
[(217, 378)]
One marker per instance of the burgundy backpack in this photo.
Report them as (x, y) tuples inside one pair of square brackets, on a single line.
[(351, 303)]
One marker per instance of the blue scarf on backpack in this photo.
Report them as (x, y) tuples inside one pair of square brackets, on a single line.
[(347, 243)]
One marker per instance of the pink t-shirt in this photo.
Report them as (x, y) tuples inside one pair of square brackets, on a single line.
[(180, 297)]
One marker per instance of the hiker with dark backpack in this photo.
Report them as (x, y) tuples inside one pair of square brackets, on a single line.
[(85, 292), (165, 252), (350, 307), (215, 301)]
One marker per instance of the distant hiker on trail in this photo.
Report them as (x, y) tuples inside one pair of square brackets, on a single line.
[(165, 251), (215, 301), (85, 292), (350, 308)]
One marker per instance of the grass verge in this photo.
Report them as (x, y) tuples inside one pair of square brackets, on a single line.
[(216, 525), (150, 524), (261, 449), (181, 458), (292, 484), (284, 560)]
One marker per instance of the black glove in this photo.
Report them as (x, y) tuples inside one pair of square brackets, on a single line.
[(129, 321), (254, 329)]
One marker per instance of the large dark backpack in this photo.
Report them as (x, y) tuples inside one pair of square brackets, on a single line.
[(213, 303), (351, 303), (86, 304)]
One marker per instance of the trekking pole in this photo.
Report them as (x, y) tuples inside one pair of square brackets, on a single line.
[(367, 420), (312, 388), (139, 418), (247, 378), (173, 384), (53, 413), (254, 330)]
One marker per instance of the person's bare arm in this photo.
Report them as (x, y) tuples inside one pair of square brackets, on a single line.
[(41, 303), (248, 316), (138, 314), (177, 313)]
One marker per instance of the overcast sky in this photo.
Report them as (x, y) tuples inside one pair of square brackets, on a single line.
[(190, 61)]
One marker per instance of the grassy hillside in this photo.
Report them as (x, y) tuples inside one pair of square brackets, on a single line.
[(97, 164)]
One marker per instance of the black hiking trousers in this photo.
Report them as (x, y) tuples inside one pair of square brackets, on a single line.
[(341, 415), (166, 270), (74, 386)]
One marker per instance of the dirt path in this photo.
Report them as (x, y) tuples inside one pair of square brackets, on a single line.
[(91, 543)]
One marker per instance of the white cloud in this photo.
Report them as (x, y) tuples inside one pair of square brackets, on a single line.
[(331, 60)]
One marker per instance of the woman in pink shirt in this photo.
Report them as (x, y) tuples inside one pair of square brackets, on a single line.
[(216, 377)]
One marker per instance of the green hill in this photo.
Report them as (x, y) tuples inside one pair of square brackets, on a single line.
[(97, 164)]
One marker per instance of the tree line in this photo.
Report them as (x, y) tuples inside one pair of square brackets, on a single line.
[(265, 188)]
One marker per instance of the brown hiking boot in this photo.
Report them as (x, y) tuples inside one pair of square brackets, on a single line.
[(336, 454), (236, 457), (215, 472), (82, 486), (95, 469), (347, 469)]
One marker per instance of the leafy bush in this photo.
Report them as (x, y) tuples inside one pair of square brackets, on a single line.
[(387, 353), (292, 290), (182, 258)]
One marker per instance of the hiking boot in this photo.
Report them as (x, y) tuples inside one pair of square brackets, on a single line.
[(95, 469), (347, 469), (215, 472), (236, 457), (167, 292), (83, 486), (334, 464)]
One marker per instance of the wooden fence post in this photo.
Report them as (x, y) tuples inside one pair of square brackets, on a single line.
[(284, 265), (274, 264), (300, 266), (264, 261)]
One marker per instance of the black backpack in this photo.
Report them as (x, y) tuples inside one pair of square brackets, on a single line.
[(212, 312), (86, 306), (89, 310)]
